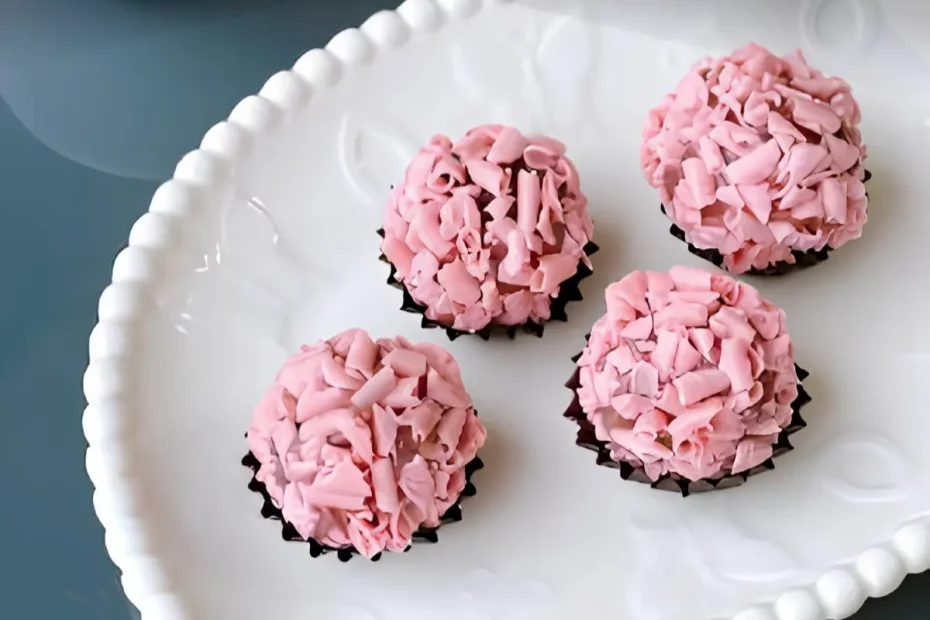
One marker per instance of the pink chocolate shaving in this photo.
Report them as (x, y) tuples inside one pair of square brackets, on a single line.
[(757, 156), (688, 373), (352, 447), (484, 231)]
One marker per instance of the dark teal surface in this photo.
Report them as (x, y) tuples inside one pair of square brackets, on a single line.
[(98, 101)]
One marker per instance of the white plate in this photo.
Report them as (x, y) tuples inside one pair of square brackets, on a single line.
[(265, 239)]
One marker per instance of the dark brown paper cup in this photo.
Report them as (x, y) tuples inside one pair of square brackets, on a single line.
[(568, 291), (802, 260), (289, 532), (586, 438)]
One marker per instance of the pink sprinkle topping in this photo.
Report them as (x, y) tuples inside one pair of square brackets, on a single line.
[(361, 442), (485, 230), (703, 383), (757, 156)]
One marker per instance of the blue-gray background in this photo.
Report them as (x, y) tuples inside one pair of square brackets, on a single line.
[(98, 100)]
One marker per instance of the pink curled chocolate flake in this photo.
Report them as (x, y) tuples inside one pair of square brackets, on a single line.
[(360, 446), (688, 382), (492, 230), (759, 161)]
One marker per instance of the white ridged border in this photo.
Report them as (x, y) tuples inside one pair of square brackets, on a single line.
[(124, 303)]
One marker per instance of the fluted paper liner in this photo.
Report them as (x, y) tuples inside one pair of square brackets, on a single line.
[(802, 260), (586, 438), (289, 532), (568, 291)]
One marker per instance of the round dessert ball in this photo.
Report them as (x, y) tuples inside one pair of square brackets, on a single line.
[(360, 445), (758, 161), (490, 230), (689, 377)]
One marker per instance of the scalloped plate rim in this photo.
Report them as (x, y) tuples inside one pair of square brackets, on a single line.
[(876, 571)]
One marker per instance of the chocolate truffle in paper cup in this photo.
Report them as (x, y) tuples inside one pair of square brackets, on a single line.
[(363, 446), (758, 160), (491, 231), (688, 383)]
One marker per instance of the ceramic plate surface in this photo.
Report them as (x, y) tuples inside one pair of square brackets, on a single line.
[(265, 240)]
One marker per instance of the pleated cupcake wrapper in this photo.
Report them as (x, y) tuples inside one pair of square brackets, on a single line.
[(586, 438), (568, 291), (802, 260), (290, 534)]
